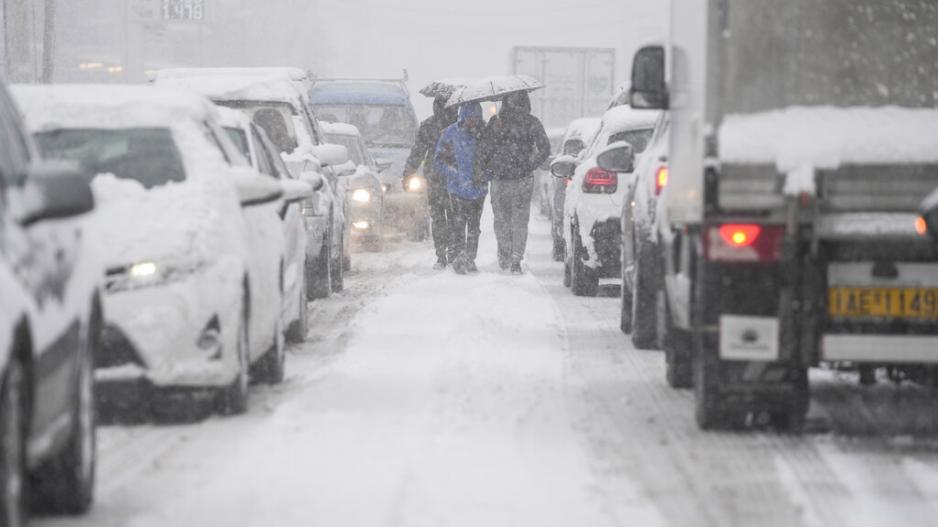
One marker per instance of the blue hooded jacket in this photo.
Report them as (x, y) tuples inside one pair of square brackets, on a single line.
[(456, 155)]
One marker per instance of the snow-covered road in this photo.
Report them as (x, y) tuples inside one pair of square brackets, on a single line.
[(431, 399)]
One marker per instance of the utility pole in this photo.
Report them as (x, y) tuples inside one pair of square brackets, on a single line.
[(48, 42)]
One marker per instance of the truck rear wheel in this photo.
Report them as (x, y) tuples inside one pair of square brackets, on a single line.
[(712, 410)]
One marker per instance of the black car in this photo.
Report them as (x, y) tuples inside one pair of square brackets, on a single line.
[(50, 326)]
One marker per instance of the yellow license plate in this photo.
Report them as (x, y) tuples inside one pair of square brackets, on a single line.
[(883, 302)]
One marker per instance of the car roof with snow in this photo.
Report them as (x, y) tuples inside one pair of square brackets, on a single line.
[(49, 107), (583, 129), (622, 118), (339, 129), (359, 92), (293, 74), (220, 86)]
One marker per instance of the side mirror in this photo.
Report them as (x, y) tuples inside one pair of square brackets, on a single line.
[(383, 165), (929, 211), (313, 179), (649, 89), (331, 155), (294, 190), (55, 191), (563, 166), (617, 157), (255, 189)]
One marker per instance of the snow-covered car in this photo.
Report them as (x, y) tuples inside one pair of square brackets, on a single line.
[(253, 143), (577, 135), (365, 185), (275, 100), (593, 200), (543, 177), (382, 112), (51, 283), (192, 250), (641, 259)]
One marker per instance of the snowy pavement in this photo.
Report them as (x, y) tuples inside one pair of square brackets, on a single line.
[(431, 399)]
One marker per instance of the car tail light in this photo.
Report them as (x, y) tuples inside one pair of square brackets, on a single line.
[(599, 181), (921, 226), (661, 179), (736, 242)]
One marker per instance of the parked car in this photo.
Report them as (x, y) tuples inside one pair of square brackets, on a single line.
[(382, 112), (274, 99), (577, 135), (641, 276), (365, 186), (594, 198), (50, 329), (256, 147), (543, 177), (192, 251)]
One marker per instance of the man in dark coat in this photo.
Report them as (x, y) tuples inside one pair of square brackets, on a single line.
[(423, 153), (515, 144)]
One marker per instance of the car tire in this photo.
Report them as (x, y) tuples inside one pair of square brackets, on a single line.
[(65, 483), (679, 361), (13, 411), (338, 271), (271, 368), (644, 298), (625, 306), (319, 275), (299, 328), (584, 281), (234, 397), (557, 251)]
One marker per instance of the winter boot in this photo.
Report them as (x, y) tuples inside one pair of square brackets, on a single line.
[(460, 265), (471, 267), (516, 269), (440, 264)]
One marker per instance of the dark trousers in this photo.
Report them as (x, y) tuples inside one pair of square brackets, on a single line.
[(465, 226), (440, 215), (511, 203)]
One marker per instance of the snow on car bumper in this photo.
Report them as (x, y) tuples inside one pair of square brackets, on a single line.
[(163, 334)]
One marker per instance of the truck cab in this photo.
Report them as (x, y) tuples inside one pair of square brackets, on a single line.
[(789, 233)]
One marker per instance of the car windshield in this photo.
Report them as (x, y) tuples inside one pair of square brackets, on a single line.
[(240, 139), (379, 125), (637, 138), (275, 118), (146, 155), (351, 143)]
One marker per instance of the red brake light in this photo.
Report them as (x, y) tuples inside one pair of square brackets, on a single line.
[(599, 181), (661, 179), (740, 235), (744, 243)]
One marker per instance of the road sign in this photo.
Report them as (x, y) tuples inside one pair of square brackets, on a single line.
[(184, 10)]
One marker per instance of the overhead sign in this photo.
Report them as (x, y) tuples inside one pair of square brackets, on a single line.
[(184, 10)]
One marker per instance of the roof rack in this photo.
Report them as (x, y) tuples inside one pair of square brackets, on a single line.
[(315, 78)]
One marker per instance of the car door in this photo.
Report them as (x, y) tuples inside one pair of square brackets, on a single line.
[(43, 257)]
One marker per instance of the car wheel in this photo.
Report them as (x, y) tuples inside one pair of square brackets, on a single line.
[(338, 272), (319, 275), (299, 328), (644, 299), (676, 344), (13, 405), (584, 280), (625, 305), (234, 398), (272, 366), (557, 252)]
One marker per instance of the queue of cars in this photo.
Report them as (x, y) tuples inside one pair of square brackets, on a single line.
[(159, 246)]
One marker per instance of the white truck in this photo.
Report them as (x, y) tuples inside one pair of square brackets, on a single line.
[(579, 81), (804, 138)]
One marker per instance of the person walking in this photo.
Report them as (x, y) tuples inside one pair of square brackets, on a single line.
[(456, 161), (514, 145), (422, 153)]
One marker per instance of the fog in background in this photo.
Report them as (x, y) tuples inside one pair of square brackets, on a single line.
[(119, 41)]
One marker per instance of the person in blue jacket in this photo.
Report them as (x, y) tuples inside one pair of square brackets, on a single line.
[(467, 186)]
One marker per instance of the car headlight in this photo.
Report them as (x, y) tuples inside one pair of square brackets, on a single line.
[(414, 184), (361, 196), (148, 274)]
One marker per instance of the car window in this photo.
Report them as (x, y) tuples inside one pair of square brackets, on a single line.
[(240, 139), (351, 143), (379, 125), (15, 154), (275, 118), (146, 155), (637, 138), (263, 160), (573, 147), (273, 157)]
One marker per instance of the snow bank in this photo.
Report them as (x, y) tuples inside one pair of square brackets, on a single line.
[(802, 138), (96, 106)]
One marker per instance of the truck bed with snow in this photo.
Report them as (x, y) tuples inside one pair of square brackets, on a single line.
[(803, 142)]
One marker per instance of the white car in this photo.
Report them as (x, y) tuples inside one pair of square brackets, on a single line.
[(593, 201), (577, 136), (253, 143), (365, 186), (51, 287), (193, 286), (274, 99)]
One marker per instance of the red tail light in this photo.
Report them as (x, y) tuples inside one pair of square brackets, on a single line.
[(744, 243), (599, 181), (661, 179)]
